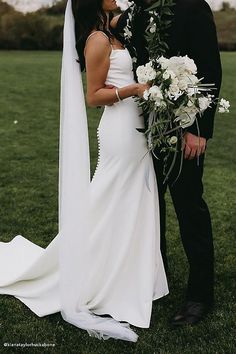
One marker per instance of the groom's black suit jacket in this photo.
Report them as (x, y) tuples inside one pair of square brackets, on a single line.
[(192, 33)]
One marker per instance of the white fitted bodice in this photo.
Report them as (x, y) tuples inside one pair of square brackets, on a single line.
[(120, 73)]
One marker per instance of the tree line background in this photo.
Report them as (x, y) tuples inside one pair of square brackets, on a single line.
[(42, 30)]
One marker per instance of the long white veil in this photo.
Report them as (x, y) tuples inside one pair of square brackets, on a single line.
[(74, 182)]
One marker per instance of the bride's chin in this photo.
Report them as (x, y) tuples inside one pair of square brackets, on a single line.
[(115, 9)]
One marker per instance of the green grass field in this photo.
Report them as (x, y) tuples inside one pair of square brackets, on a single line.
[(29, 93)]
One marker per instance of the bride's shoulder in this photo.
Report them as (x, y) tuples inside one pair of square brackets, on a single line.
[(97, 38), (97, 41)]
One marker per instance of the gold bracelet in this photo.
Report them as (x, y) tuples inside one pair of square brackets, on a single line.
[(118, 96)]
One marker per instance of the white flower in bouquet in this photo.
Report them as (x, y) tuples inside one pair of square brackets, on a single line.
[(163, 62), (183, 83), (186, 80), (168, 74), (224, 106), (204, 102), (190, 65), (179, 65), (155, 95), (146, 73), (151, 73), (174, 91), (141, 74), (153, 26), (127, 33)]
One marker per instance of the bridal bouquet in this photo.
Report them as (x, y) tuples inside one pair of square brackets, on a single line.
[(175, 99)]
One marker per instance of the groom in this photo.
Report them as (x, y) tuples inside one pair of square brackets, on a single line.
[(191, 33)]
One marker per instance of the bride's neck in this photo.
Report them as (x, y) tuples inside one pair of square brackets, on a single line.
[(107, 21)]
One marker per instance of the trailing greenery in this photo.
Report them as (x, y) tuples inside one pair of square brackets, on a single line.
[(162, 16), (29, 89)]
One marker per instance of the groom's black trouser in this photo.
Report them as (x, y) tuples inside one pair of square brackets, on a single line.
[(195, 225)]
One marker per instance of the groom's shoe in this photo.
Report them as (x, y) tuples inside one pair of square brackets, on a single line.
[(190, 314)]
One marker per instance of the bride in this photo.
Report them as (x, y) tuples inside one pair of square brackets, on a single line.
[(104, 268)]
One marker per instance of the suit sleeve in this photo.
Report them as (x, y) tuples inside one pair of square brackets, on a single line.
[(205, 52)]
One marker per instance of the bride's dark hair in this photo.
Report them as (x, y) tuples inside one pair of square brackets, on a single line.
[(89, 15)]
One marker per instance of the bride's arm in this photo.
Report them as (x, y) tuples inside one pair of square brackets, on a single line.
[(97, 58)]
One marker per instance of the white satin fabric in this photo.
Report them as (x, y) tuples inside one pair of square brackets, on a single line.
[(106, 258)]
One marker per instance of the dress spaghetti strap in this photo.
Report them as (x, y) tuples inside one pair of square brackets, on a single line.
[(98, 32)]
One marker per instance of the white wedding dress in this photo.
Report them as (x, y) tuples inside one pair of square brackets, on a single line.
[(126, 269)]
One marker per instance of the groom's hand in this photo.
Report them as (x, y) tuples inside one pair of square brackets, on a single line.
[(194, 146)]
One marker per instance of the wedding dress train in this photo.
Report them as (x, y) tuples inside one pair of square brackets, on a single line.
[(124, 272)]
